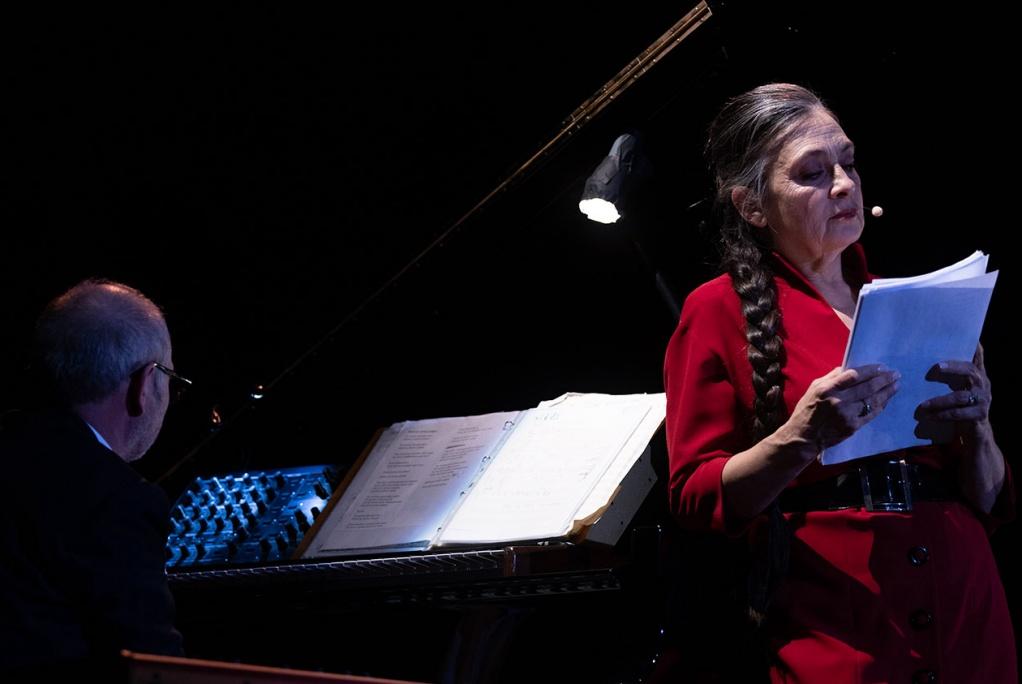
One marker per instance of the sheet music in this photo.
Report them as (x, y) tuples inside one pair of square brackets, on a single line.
[(633, 448), (409, 483), (549, 464)]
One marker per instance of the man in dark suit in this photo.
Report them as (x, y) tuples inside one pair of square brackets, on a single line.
[(81, 534)]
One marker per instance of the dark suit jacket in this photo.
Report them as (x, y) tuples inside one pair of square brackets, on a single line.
[(81, 549)]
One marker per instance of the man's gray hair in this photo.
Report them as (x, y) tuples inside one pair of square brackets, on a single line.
[(95, 335)]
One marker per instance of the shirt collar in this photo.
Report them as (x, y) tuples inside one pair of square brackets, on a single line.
[(99, 436)]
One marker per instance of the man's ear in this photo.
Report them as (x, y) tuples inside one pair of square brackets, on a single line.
[(137, 389), (749, 208)]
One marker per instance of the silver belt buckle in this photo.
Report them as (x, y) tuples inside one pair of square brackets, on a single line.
[(890, 490)]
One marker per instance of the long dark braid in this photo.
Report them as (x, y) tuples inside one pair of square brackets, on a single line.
[(753, 282), (743, 140)]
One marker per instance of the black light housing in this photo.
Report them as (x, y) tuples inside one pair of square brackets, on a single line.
[(605, 189)]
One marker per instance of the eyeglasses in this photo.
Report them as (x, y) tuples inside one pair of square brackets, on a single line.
[(178, 382)]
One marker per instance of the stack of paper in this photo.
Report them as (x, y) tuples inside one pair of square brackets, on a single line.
[(911, 324)]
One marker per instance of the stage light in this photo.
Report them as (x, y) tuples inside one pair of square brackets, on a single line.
[(605, 189)]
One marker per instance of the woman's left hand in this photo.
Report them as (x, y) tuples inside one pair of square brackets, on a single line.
[(981, 472), (969, 401)]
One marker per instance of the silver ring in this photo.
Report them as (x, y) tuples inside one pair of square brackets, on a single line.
[(972, 400), (866, 409)]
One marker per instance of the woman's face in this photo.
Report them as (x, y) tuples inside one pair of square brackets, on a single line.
[(813, 203)]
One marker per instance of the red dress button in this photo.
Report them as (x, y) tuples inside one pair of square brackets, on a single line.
[(918, 555)]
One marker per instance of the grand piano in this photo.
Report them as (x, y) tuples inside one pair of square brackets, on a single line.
[(534, 612)]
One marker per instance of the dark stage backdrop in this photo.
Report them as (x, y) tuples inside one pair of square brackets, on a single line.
[(259, 172)]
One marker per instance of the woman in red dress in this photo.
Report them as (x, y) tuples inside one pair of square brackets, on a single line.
[(755, 392)]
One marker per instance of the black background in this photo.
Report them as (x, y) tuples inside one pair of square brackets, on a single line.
[(261, 171)]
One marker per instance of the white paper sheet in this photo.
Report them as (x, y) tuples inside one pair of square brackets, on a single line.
[(911, 325), (633, 448)]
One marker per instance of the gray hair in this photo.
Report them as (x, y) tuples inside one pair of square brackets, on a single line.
[(746, 136), (95, 335)]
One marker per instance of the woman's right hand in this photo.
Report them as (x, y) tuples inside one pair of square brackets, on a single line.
[(830, 410), (841, 402)]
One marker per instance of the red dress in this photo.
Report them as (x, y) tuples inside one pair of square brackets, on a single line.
[(869, 596)]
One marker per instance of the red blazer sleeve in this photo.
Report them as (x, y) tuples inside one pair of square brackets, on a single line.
[(1003, 510), (703, 412)]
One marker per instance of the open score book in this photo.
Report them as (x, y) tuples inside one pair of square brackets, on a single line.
[(911, 324), (543, 473)]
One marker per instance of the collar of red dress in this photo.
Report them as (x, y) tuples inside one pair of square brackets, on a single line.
[(853, 262)]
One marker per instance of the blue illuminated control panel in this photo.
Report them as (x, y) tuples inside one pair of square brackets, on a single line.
[(246, 518)]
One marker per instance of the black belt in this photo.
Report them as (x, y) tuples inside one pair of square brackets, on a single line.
[(875, 485)]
